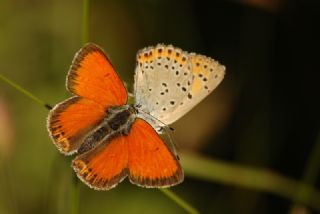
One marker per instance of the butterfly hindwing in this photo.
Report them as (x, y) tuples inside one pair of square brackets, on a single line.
[(92, 76), (207, 75), (150, 161), (70, 121), (105, 166)]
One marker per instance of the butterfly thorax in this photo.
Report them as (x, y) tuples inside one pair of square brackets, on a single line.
[(118, 121)]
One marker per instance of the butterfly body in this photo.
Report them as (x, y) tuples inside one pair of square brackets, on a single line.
[(113, 139)]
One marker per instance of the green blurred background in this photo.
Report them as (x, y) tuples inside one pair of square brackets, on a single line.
[(265, 114)]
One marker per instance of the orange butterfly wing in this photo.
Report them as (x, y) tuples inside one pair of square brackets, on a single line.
[(71, 120), (105, 166), (92, 76), (151, 163)]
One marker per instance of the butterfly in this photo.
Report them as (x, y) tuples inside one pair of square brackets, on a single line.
[(112, 139)]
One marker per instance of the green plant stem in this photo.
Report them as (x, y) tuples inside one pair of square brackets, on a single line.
[(185, 205), (25, 92), (75, 194), (313, 165), (85, 21), (310, 174), (253, 178)]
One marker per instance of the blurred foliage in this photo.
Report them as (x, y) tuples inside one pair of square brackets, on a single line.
[(265, 114)]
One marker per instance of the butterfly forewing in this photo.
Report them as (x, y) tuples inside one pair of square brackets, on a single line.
[(92, 76)]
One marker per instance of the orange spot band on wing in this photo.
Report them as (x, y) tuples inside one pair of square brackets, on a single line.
[(162, 51)]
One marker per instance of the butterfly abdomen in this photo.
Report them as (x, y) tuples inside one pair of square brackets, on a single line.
[(94, 138)]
